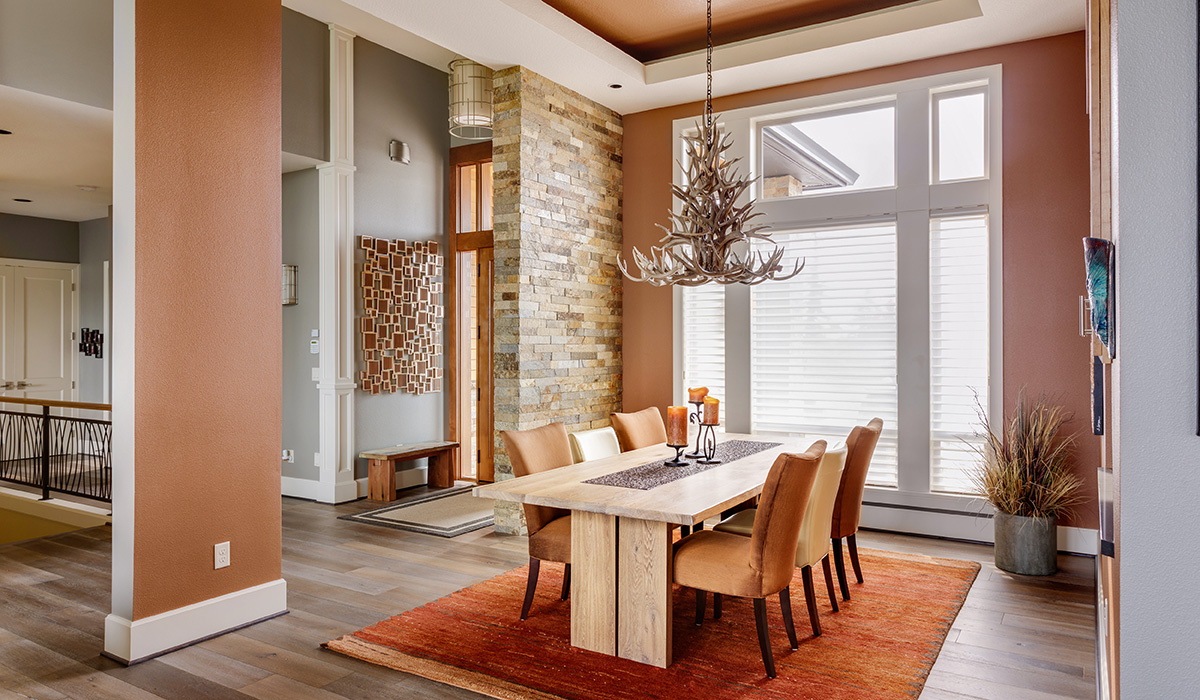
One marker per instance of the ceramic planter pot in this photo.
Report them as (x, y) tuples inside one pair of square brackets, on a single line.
[(1026, 545)]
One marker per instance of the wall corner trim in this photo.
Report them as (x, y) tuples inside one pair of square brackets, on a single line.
[(139, 640)]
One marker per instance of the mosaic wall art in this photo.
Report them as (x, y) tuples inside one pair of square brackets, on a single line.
[(402, 312)]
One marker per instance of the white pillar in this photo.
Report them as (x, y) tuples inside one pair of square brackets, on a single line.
[(335, 385)]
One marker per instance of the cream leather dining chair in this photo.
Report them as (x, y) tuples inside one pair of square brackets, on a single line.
[(813, 545), (594, 444)]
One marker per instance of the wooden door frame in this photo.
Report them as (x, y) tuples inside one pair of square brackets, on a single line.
[(460, 155), (75, 284)]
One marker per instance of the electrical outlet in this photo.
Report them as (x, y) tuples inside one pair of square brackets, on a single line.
[(316, 459), (289, 456), (221, 555)]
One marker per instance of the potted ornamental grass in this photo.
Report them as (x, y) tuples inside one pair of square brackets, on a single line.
[(1025, 473)]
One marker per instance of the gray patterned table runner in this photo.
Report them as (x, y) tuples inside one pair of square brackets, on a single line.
[(647, 476)]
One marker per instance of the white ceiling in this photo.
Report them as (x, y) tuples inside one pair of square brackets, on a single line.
[(55, 147), (530, 33)]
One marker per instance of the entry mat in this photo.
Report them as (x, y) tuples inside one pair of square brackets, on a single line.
[(647, 476)]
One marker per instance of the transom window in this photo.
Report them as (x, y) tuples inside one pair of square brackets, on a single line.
[(888, 195)]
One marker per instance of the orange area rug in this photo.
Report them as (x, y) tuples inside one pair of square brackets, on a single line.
[(880, 646)]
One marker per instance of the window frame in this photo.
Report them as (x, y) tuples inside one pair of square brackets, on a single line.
[(915, 200)]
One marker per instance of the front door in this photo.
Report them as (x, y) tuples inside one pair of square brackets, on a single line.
[(38, 346)]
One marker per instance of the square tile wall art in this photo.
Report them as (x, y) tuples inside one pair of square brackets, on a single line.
[(402, 310)]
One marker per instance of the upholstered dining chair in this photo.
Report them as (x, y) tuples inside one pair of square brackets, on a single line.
[(812, 546), (847, 509), (594, 444), (641, 429), (760, 565), (533, 451)]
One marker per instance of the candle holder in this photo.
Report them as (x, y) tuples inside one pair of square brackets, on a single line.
[(698, 419), (708, 433), (679, 461)]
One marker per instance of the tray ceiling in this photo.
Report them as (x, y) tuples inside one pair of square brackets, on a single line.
[(649, 30)]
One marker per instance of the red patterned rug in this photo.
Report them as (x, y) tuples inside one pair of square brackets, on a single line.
[(880, 646)]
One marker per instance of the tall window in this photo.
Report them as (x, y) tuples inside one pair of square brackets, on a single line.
[(823, 345), (889, 195), (704, 343)]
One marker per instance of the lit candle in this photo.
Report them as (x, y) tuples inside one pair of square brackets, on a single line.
[(712, 410), (677, 420), (697, 395)]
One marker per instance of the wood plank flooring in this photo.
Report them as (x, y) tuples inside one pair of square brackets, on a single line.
[(1016, 638)]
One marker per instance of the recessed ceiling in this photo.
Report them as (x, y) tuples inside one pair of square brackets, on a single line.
[(56, 147), (650, 30)]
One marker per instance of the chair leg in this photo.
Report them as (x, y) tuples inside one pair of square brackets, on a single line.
[(841, 568), (810, 597), (701, 603), (854, 556), (717, 600), (764, 641), (566, 591), (829, 583), (530, 586), (785, 602)]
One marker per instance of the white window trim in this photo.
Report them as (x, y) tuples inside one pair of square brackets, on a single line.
[(911, 206)]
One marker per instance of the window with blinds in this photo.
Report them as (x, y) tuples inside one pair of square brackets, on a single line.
[(958, 346), (823, 344), (704, 339)]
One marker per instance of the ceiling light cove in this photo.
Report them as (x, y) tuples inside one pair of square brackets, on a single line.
[(21, 199)]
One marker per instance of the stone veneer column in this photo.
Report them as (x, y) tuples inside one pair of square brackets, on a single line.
[(557, 232)]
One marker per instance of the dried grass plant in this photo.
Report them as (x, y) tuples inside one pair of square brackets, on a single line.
[(1025, 468)]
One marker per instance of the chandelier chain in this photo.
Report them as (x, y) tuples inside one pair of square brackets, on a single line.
[(708, 97)]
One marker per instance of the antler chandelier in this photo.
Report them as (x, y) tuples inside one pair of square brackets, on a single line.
[(711, 238)]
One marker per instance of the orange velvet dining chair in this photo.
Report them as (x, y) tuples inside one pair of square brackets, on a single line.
[(641, 429), (533, 451), (760, 565), (812, 546), (847, 509)]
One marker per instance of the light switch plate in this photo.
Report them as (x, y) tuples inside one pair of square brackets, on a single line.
[(316, 374), (221, 555)]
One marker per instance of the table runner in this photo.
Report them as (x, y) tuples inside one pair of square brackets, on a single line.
[(647, 476)]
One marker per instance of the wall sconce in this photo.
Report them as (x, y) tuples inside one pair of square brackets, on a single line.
[(289, 286), (398, 152)]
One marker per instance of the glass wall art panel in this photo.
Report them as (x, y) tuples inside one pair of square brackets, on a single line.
[(1098, 256)]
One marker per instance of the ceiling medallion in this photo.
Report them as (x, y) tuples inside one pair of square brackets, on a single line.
[(711, 239)]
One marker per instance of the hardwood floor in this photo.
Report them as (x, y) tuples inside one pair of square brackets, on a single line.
[(1016, 638)]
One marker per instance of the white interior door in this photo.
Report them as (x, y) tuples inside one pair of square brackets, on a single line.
[(39, 347)]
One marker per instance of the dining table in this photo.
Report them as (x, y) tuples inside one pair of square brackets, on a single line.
[(622, 536)]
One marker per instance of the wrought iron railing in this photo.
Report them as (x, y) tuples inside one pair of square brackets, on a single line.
[(61, 452)]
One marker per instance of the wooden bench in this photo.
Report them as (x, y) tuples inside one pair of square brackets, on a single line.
[(381, 478)]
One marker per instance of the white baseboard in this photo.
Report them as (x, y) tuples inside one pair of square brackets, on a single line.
[(965, 526), (142, 639), (311, 490)]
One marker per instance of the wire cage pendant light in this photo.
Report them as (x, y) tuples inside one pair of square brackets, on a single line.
[(711, 238), (470, 100)]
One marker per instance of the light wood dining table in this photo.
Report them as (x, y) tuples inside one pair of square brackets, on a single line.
[(621, 553)]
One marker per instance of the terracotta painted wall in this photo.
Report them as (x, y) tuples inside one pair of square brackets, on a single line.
[(1046, 202), (207, 394)]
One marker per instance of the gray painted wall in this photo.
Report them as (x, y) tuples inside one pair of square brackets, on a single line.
[(95, 248), (61, 48), (1158, 453), (300, 237), (398, 98), (33, 238), (305, 92)]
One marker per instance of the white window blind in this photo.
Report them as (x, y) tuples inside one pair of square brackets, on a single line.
[(958, 346), (823, 344), (704, 339)]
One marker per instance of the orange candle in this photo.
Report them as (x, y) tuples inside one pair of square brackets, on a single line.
[(712, 410), (697, 395), (677, 420)]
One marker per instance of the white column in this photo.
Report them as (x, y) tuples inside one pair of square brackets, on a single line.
[(335, 385)]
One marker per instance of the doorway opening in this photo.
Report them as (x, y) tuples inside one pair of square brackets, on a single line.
[(470, 320)]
